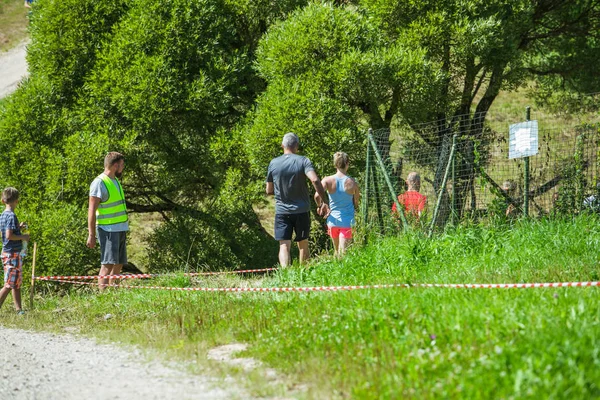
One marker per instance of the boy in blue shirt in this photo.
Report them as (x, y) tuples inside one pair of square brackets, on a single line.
[(12, 243)]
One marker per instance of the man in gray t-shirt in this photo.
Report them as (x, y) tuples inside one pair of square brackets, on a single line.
[(286, 179), (107, 218)]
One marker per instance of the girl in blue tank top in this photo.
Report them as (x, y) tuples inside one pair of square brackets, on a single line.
[(344, 195)]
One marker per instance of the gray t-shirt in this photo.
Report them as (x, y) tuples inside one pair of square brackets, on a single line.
[(288, 174), (98, 189)]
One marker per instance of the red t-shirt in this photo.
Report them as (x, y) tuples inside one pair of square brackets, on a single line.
[(413, 202)]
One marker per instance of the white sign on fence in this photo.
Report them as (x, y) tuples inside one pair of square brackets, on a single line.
[(523, 141)]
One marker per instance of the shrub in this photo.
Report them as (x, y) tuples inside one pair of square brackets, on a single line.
[(61, 233)]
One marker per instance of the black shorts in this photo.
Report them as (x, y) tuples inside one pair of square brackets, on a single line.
[(286, 223)]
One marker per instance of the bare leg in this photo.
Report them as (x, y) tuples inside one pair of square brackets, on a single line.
[(284, 252), (17, 299), (336, 246), (3, 294), (116, 270), (105, 269), (344, 243), (304, 253)]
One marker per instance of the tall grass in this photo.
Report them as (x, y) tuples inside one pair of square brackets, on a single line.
[(392, 343)]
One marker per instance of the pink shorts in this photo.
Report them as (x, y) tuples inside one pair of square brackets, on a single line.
[(336, 233)]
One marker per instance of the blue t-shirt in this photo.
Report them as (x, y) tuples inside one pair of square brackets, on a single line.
[(8, 220), (288, 174)]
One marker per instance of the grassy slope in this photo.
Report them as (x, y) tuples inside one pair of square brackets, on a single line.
[(419, 343), (509, 108), (13, 23), (387, 343)]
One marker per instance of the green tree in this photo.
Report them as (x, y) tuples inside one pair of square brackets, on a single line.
[(329, 70), (164, 82), (411, 62), (486, 46)]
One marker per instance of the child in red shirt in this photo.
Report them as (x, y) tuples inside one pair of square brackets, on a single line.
[(414, 202)]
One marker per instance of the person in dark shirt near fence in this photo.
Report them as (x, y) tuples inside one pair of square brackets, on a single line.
[(286, 180)]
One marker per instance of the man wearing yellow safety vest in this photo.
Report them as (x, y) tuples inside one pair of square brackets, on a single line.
[(107, 218)]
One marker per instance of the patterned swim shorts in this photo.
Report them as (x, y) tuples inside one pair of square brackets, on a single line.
[(13, 270)]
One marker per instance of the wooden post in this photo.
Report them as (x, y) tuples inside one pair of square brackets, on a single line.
[(32, 288)]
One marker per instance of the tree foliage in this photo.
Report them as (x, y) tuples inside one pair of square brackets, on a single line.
[(198, 94), (328, 70), (164, 82)]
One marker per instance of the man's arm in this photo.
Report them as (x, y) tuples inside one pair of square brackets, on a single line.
[(318, 199), (316, 182), (321, 197), (270, 188), (93, 206)]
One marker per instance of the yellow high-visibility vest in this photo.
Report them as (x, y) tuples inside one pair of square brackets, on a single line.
[(113, 210)]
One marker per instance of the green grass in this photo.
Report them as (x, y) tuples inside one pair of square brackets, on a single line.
[(13, 23), (393, 343), (509, 108)]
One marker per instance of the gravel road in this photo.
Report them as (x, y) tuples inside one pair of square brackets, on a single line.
[(43, 366), (13, 67)]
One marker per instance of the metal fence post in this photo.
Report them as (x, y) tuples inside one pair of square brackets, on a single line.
[(454, 214), (377, 198), (526, 180), (442, 188), (365, 202), (389, 184), (579, 172)]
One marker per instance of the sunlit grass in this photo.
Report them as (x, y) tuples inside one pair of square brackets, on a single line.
[(385, 343)]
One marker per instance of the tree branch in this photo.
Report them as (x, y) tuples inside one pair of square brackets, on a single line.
[(389, 114), (148, 208)]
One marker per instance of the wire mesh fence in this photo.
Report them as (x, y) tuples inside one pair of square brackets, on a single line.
[(477, 180)]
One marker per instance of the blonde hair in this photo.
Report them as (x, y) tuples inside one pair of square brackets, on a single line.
[(9, 195), (340, 160), (413, 178)]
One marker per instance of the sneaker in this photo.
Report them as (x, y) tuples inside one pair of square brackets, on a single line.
[(20, 312)]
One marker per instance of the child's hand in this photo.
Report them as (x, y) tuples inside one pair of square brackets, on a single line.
[(23, 225), (25, 238)]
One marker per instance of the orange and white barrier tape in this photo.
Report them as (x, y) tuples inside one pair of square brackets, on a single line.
[(356, 287), (146, 276)]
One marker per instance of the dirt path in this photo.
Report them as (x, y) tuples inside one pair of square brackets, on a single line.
[(44, 366), (13, 67)]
